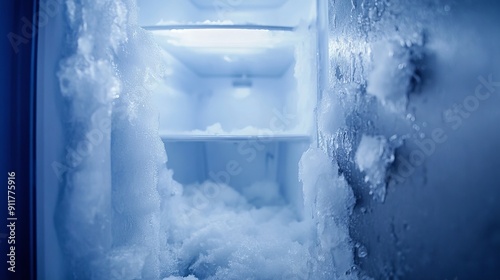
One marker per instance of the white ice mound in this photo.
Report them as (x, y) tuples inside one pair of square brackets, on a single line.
[(219, 235), (394, 69), (373, 157), (328, 201)]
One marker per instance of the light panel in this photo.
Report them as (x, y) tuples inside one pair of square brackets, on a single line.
[(224, 38)]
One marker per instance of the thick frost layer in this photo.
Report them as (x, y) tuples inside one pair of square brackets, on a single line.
[(373, 157), (328, 200), (109, 206), (89, 82), (394, 72), (215, 233)]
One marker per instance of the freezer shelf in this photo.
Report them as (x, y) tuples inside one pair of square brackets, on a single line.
[(234, 138)]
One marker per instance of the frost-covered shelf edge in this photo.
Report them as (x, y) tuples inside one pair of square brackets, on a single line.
[(218, 26), (229, 137)]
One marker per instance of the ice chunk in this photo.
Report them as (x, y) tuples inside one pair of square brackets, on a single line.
[(361, 250), (394, 66), (373, 157), (331, 113), (328, 201)]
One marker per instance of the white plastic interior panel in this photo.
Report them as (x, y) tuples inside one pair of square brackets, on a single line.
[(254, 12), (236, 82), (230, 52)]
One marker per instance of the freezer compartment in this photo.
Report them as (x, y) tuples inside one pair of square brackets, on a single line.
[(248, 70), (263, 170), (236, 81)]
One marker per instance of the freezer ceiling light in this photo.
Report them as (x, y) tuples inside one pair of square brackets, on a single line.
[(222, 38)]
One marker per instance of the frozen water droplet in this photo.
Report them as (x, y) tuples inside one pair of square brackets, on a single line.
[(447, 8), (410, 117), (362, 252), (391, 158), (416, 127), (351, 270)]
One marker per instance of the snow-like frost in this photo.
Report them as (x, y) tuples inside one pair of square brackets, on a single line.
[(394, 66), (373, 157), (328, 201), (224, 236), (122, 216)]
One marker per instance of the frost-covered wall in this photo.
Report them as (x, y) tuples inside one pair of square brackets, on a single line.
[(414, 98), (107, 213)]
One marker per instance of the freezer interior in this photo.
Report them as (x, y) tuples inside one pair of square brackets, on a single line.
[(181, 134), (262, 139)]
